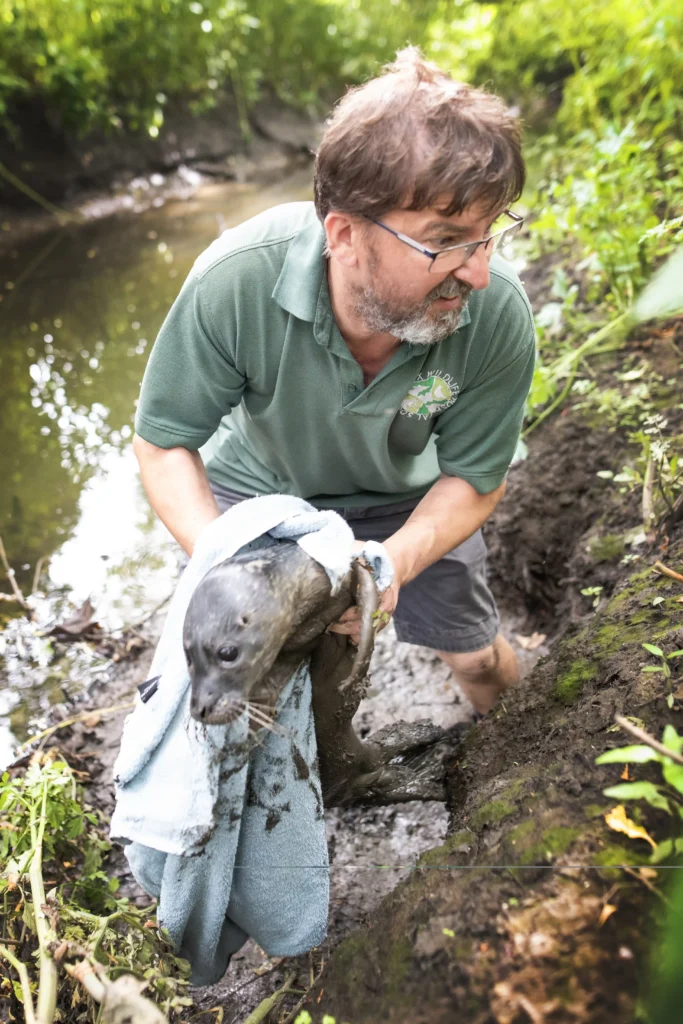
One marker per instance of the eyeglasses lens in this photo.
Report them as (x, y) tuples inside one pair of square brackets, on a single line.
[(448, 261)]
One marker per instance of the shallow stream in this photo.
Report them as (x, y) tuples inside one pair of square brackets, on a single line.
[(80, 307)]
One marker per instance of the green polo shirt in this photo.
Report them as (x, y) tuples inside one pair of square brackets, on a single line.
[(250, 364)]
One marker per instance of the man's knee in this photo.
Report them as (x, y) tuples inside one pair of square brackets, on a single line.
[(472, 665), (498, 660)]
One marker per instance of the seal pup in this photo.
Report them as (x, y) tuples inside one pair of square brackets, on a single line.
[(251, 621)]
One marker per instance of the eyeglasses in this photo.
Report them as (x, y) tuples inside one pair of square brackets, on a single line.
[(453, 256)]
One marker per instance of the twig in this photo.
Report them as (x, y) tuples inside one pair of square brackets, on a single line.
[(61, 215), (665, 571), (645, 737), (149, 615), (25, 982), (10, 576), (114, 709), (258, 1015), (292, 1014), (36, 574), (647, 509), (121, 1000), (47, 977), (647, 883)]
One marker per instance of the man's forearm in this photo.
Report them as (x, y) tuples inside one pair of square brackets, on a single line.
[(450, 512), (178, 489)]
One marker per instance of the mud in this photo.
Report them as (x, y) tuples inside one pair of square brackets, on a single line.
[(488, 910), (502, 922)]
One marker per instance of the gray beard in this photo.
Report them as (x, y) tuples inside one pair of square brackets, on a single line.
[(417, 326)]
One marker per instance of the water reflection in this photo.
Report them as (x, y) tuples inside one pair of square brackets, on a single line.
[(79, 311)]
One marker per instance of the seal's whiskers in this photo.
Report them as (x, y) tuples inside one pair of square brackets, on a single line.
[(262, 719)]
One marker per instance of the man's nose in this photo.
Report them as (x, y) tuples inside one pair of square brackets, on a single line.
[(475, 272)]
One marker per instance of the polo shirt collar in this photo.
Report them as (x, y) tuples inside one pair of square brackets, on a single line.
[(303, 274), (298, 286)]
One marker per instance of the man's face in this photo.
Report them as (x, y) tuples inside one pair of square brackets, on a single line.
[(396, 293)]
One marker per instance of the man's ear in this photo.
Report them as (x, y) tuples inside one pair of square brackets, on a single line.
[(344, 234)]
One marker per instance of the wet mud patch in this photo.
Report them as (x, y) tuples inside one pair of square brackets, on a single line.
[(505, 915), (504, 921)]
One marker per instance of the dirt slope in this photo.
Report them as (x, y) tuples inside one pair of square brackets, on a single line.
[(502, 922)]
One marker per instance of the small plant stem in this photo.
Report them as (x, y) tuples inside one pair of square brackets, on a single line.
[(665, 571), (648, 885), (645, 737), (292, 1014), (258, 1015), (10, 576), (61, 215), (114, 709), (47, 979), (86, 975), (553, 405), (99, 932), (569, 364), (25, 983), (36, 575), (647, 509)]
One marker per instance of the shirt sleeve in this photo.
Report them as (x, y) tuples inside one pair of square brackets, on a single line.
[(476, 438), (191, 381)]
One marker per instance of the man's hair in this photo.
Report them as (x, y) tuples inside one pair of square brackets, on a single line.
[(415, 138)]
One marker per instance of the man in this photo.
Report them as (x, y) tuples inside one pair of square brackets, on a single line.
[(369, 354)]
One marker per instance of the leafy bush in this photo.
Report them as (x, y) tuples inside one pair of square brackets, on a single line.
[(600, 85), (108, 63)]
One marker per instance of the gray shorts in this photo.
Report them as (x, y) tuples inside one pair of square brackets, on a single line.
[(448, 606)]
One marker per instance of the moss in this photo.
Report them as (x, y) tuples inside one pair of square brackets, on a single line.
[(514, 789), (459, 842), (594, 810), (558, 839), (607, 548), (569, 687), (351, 948), (613, 855), (521, 832), (396, 965), (492, 812)]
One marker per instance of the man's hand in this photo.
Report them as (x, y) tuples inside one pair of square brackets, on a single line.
[(448, 514), (350, 622)]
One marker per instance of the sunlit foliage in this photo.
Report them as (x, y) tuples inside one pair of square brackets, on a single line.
[(114, 63)]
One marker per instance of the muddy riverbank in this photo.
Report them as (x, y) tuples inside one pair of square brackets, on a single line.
[(49, 177), (481, 907), (492, 906)]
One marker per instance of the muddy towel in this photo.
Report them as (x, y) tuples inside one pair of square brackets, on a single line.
[(231, 850)]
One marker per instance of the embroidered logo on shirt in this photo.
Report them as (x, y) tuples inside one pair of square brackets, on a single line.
[(430, 394)]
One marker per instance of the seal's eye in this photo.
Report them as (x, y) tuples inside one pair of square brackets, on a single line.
[(227, 654)]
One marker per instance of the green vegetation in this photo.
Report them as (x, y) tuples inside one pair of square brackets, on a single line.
[(116, 63), (50, 838)]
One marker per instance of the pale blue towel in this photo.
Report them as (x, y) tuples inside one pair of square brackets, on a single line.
[(232, 849)]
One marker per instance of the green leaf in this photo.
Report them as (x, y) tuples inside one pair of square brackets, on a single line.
[(654, 650), (669, 700), (629, 755), (673, 774), (662, 851), (663, 296), (653, 668), (671, 739), (640, 791), (675, 654)]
